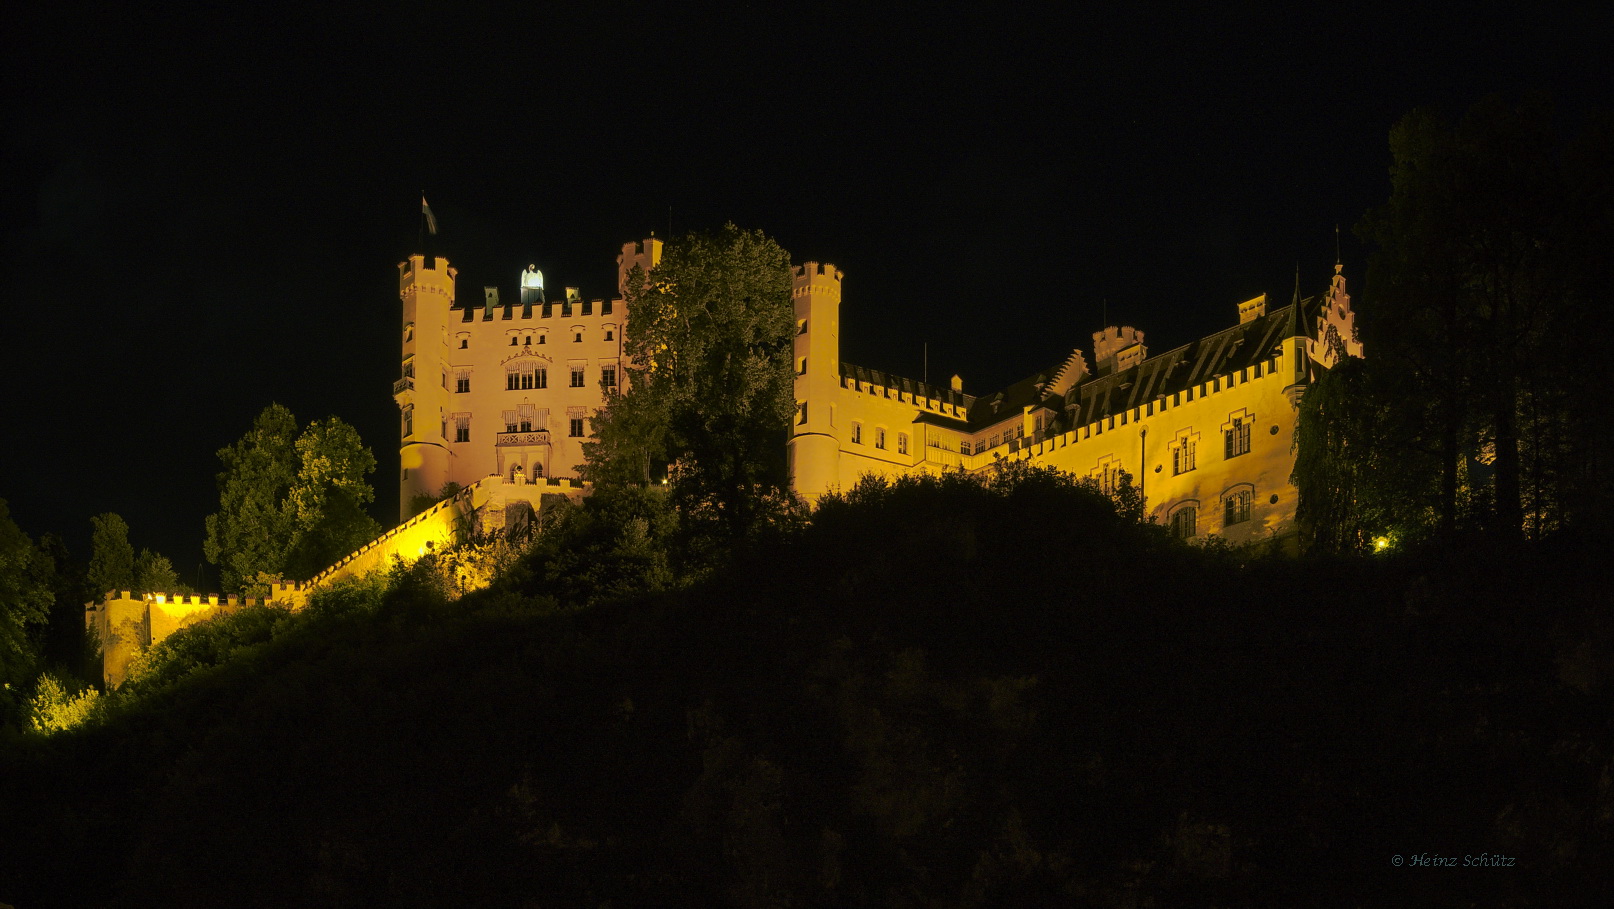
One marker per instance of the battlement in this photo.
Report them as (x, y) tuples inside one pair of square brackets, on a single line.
[(1116, 348), (279, 593), (646, 254), (418, 275), (862, 380), (815, 278)]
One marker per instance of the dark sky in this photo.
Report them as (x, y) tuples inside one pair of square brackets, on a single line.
[(202, 216)]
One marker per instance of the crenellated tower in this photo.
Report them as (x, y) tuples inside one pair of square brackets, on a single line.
[(644, 253), (426, 287), (814, 449), (1116, 348)]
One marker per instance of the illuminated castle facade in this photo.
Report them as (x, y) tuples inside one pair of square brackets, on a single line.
[(502, 387), (1206, 430), (508, 388)]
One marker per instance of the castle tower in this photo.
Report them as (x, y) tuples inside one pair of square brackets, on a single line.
[(426, 287), (1295, 349), (814, 450), (1117, 348), (644, 253)]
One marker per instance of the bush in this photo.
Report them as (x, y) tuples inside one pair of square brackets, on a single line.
[(55, 708)]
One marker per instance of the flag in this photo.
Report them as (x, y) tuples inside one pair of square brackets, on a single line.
[(431, 221)]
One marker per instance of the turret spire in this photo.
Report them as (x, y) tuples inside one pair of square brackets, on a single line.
[(1296, 324)]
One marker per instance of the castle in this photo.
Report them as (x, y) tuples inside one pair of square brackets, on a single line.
[(1206, 430)]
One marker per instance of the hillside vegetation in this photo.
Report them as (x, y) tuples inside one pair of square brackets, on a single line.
[(953, 692)]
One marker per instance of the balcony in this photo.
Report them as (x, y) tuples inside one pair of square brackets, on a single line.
[(407, 383), (539, 437)]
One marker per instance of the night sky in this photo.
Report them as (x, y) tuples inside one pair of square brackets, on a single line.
[(204, 216)]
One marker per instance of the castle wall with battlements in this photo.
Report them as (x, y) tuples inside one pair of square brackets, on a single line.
[(127, 624), (1206, 432)]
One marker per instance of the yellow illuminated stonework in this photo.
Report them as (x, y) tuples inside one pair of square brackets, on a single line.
[(497, 387), (497, 396), (1210, 423), (126, 624), (1208, 426)]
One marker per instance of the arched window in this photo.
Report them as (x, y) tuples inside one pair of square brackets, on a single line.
[(1184, 521), (1236, 504)]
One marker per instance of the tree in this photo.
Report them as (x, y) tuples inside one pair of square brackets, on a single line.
[(327, 500), (250, 532), (154, 573), (289, 503), (25, 601), (1476, 283), (708, 343), (1361, 468), (112, 559)]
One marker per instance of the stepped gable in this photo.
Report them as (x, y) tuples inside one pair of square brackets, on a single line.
[(1068, 375)]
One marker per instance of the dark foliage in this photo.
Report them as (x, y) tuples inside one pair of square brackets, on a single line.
[(944, 692)]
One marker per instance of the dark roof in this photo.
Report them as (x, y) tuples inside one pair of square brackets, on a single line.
[(1226, 351), (1092, 399), (1010, 401), (910, 386)]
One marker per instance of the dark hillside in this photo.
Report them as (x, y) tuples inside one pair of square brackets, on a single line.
[(939, 694)]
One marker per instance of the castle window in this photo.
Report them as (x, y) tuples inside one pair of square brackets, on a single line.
[(609, 335), (524, 376), (801, 412), (537, 469), (992, 442), (902, 443), (577, 338), (512, 341), (510, 421), (445, 378), (1183, 455), (542, 338), (462, 427), (577, 377), (462, 382), (576, 430), (857, 433), (605, 307), (1236, 438), (608, 376), (879, 437), (1236, 507), (1185, 522), (1107, 476), (801, 326), (524, 418), (464, 343), (409, 421), (801, 366), (527, 341)]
